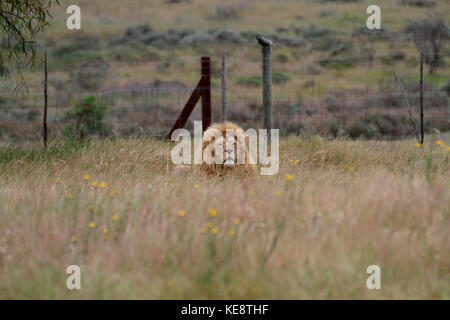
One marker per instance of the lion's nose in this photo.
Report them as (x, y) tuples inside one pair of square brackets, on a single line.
[(229, 158)]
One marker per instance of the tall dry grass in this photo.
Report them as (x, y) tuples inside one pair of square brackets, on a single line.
[(350, 204)]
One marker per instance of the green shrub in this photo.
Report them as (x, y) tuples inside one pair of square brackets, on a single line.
[(280, 78), (337, 63), (250, 81), (417, 3), (88, 115), (380, 126)]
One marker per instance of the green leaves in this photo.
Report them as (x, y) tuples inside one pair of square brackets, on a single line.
[(20, 22)]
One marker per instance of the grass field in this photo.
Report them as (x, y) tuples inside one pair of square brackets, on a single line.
[(114, 208)]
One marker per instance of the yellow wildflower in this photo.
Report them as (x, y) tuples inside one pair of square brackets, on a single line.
[(181, 213), (58, 180), (209, 224), (281, 157), (103, 185), (214, 230), (69, 195), (212, 212), (73, 239), (105, 231), (91, 207), (204, 230), (230, 232), (196, 186), (91, 224), (112, 194), (94, 184), (115, 217), (289, 177), (237, 221), (278, 193), (86, 177), (291, 160), (418, 145)]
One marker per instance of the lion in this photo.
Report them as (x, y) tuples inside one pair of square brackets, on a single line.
[(232, 143)]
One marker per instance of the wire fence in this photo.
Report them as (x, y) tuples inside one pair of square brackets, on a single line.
[(150, 108)]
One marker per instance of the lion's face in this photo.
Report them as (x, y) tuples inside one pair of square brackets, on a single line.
[(224, 148), (232, 146)]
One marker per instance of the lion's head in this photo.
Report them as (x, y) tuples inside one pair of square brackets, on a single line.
[(225, 150)]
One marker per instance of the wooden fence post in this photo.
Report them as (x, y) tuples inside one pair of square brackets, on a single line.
[(266, 48), (45, 99), (206, 92), (203, 91), (224, 86)]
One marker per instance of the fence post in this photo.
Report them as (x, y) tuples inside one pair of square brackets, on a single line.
[(266, 48), (203, 91), (224, 86), (421, 98), (45, 99), (206, 92)]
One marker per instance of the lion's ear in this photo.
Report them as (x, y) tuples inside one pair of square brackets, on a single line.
[(213, 138)]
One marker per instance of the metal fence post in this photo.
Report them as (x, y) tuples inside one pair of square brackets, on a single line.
[(45, 99), (421, 98), (266, 48)]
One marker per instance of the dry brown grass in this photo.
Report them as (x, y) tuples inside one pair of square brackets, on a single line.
[(350, 204)]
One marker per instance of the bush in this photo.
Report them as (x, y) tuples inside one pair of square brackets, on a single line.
[(341, 1), (380, 126), (225, 13), (79, 42), (250, 81), (417, 3), (89, 116), (337, 63), (446, 88), (373, 35), (334, 104), (429, 36), (280, 78), (91, 75)]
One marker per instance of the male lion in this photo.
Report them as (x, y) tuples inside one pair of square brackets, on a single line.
[(229, 139)]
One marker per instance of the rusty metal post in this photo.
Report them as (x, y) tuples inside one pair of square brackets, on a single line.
[(206, 92)]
